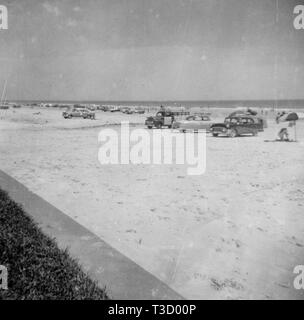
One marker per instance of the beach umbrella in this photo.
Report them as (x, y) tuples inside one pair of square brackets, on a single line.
[(290, 117)]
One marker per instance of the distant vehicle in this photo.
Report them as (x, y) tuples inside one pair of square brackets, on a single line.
[(92, 107), (129, 111), (161, 119), (139, 110), (4, 107), (126, 110), (193, 123), (79, 106), (236, 125), (114, 109), (79, 113), (103, 108)]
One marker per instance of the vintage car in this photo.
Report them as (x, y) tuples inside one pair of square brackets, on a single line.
[(236, 125), (79, 113), (103, 108), (262, 121), (114, 109), (127, 110), (193, 123), (161, 119), (139, 110)]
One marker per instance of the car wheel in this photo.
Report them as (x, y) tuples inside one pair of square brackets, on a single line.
[(215, 134), (149, 127), (233, 133)]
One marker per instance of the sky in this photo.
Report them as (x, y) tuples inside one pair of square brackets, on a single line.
[(152, 50)]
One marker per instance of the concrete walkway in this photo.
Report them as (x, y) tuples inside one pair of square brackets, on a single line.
[(123, 278)]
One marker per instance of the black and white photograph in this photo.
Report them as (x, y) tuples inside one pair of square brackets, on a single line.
[(152, 150)]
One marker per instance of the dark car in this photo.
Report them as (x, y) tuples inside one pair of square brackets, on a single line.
[(103, 108), (127, 110), (161, 119), (237, 125)]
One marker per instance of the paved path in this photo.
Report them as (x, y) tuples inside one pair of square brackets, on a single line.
[(123, 278)]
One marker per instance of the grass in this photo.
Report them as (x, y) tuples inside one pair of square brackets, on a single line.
[(37, 268)]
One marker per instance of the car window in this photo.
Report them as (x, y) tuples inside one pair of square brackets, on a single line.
[(197, 118)]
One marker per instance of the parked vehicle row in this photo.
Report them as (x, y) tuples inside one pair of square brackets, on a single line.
[(126, 110), (232, 126)]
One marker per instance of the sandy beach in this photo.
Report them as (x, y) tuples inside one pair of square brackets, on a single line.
[(236, 232)]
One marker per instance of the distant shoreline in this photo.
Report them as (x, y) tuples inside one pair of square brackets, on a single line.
[(272, 104)]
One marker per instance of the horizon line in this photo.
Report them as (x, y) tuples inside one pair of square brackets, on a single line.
[(165, 100)]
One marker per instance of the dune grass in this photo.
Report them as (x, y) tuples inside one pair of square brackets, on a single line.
[(37, 268)]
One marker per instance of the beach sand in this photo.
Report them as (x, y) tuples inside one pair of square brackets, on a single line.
[(236, 232)]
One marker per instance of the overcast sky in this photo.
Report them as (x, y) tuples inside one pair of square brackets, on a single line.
[(152, 50)]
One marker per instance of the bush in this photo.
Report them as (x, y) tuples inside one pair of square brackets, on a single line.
[(37, 268)]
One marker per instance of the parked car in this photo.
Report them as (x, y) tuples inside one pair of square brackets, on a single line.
[(193, 123), (129, 111), (114, 109), (139, 110), (103, 108), (126, 110), (236, 126), (79, 113), (161, 119), (262, 121)]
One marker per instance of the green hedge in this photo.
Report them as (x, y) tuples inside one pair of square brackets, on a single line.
[(37, 268)]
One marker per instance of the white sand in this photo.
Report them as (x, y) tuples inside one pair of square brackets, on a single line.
[(235, 232)]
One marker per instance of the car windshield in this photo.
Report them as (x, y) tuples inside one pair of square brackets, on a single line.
[(231, 120)]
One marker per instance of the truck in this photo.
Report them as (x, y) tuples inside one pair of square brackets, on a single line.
[(164, 118)]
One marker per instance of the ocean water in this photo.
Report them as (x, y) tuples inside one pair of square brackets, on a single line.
[(272, 104)]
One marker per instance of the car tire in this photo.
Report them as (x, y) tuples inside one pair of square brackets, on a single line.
[(215, 134), (233, 133), (150, 127)]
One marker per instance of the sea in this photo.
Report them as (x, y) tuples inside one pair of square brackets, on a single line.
[(271, 104)]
